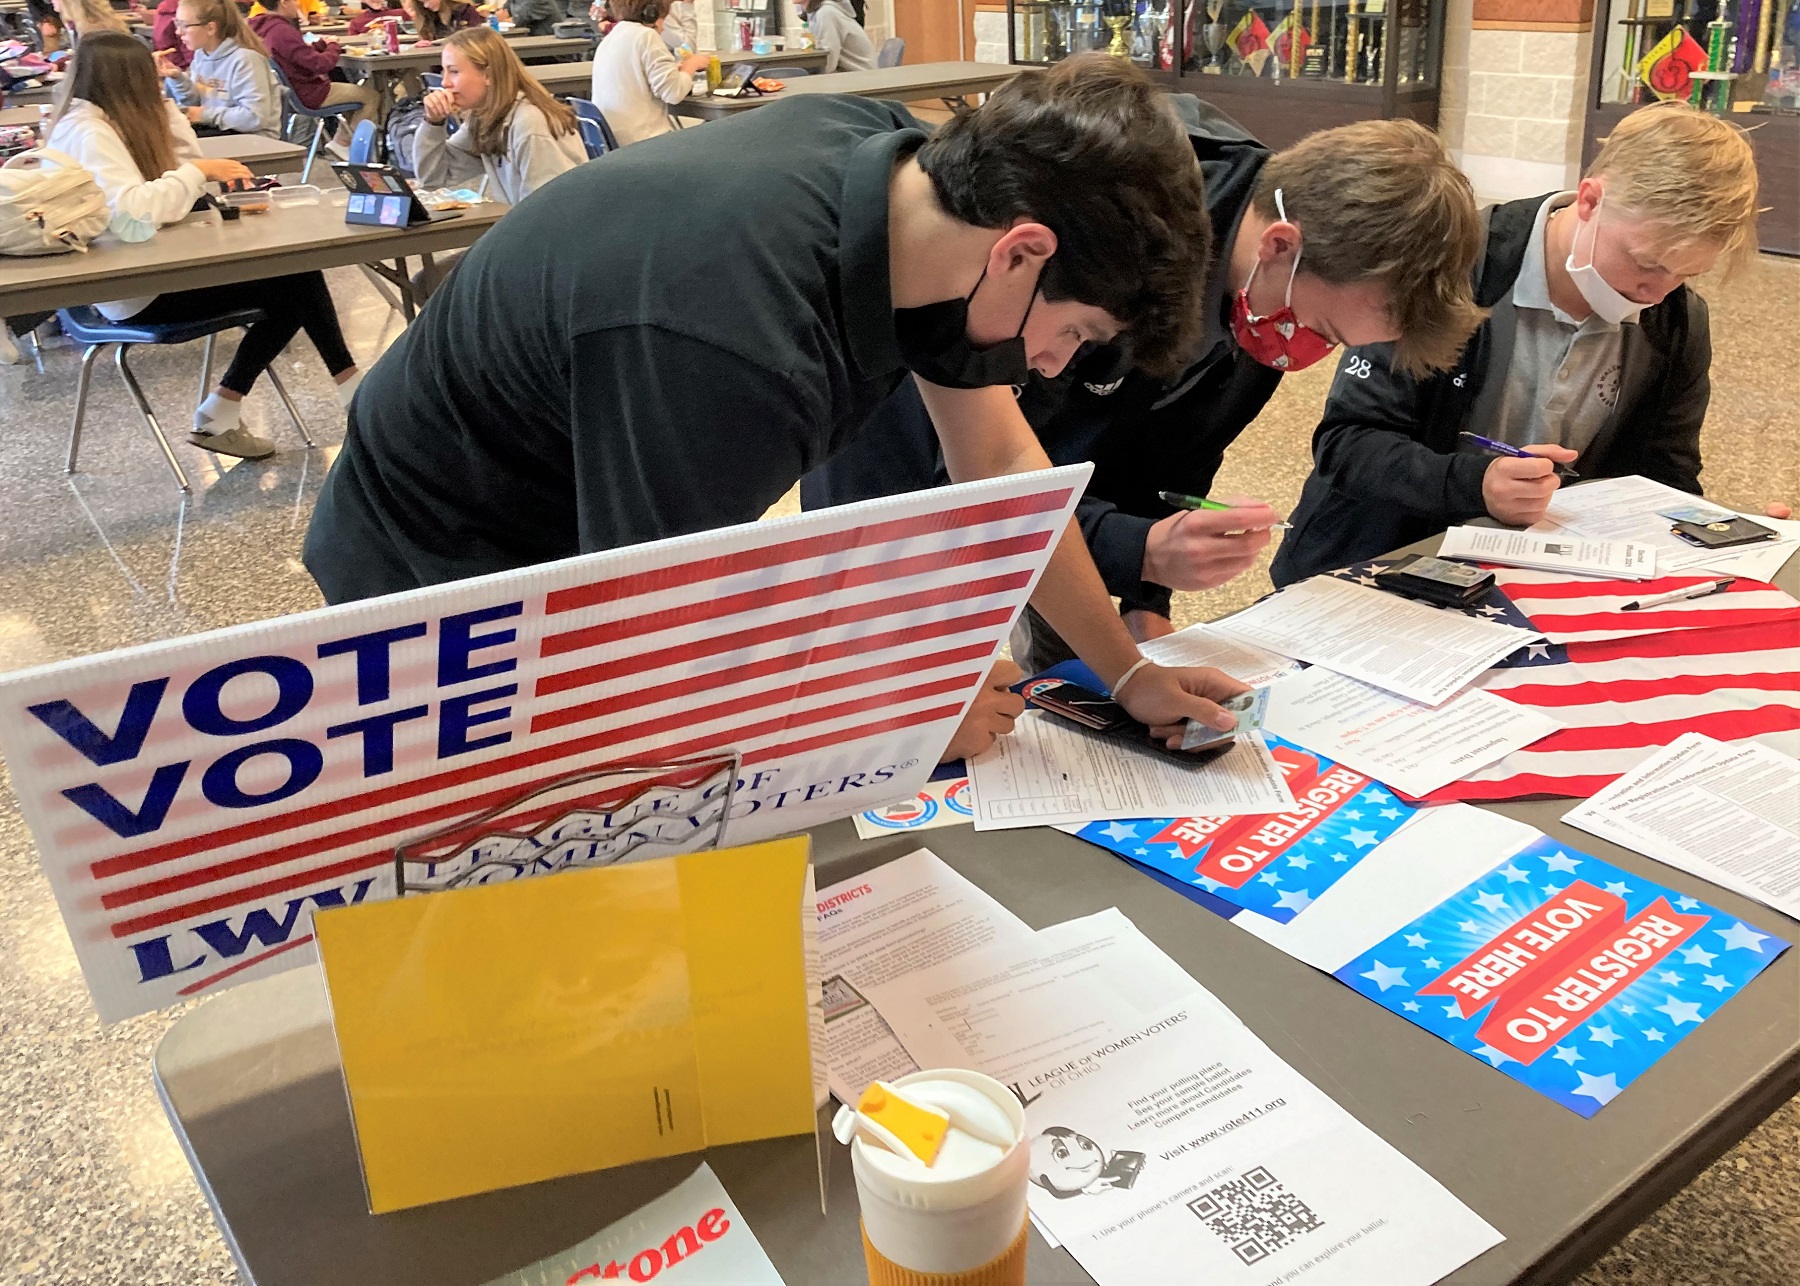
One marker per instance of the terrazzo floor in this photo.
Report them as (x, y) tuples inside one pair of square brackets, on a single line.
[(94, 1189)]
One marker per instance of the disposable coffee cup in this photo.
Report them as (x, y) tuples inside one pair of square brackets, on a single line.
[(960, 1221)]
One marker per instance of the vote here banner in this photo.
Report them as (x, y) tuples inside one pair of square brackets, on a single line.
[(194, 801), (1564, 972)]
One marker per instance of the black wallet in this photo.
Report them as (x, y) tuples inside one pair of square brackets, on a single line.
[(1436, 580), (1723, 535)]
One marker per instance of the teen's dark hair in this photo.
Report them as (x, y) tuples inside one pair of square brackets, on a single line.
[(644, 11), (116, 73), (1091, 150)]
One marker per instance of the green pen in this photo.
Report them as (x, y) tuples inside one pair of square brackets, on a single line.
[(1201, 502)]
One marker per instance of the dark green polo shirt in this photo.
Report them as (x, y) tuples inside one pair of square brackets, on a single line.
[(720, 323)]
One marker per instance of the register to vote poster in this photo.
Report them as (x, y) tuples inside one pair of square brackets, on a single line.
[(1276, 864), (195, 800), (1564, 972)]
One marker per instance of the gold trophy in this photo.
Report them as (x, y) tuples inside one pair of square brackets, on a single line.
[(1120, 47)]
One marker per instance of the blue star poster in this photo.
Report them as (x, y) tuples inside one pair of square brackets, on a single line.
[(1565, 972), (1275, 863)]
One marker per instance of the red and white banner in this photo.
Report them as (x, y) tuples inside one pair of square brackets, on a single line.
[(194, 800)]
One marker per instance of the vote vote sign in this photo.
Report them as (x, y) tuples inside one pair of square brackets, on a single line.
[(194, 801), (1563, 971)]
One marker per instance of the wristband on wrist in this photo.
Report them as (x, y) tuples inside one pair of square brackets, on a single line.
[(1119, 684)]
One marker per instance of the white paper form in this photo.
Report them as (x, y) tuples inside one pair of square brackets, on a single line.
[(1185, 1149), (1627, 509), (1410, 747), (1727, 813), (1046, 773), (914, 913), (1617, 559), (1204, 645), (1413, 649)]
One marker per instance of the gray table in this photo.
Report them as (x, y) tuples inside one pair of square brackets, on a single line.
[(202, 251), (27, 115), (578, 78), (251, 1083), (903, 84), (261, 155), (380, 69)]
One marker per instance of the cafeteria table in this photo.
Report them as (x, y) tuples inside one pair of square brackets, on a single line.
[(202, 250), (263, 155), (251, 1083), (906, 84), (577, 79)]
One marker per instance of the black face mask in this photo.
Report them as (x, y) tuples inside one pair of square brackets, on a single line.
[(934, 343)]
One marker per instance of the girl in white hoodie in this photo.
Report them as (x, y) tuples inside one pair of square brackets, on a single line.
[(143, 154)]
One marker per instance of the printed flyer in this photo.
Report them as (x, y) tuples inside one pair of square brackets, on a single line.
[(1275, 864), (1565, 972)]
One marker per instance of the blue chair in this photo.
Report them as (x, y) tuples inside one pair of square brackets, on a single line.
[(318, 115), (362, 144), (586, 111), (892, 52), (88, 326), (784, 73), (591, 137), (432, 79)]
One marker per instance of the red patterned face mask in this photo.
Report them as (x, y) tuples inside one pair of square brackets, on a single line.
[(1277, 340)]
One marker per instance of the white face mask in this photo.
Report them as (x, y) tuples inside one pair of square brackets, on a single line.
[(1608, 304)]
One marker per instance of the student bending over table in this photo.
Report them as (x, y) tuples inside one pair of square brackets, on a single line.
[(558, 396), (835, 30), (436, 20), (143, 154), (1312, 229), (308, 67), (1596, 353), (510, 129), (53, 37), (371, 14), (229, 86), (636, 78)]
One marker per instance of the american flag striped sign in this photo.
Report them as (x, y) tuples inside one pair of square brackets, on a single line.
[(193, 801), (1583, 609)]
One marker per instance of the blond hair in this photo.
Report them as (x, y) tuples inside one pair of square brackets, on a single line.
[(94, 15), (230, 20), (1382, 201), (1688, 174), (507, 79)]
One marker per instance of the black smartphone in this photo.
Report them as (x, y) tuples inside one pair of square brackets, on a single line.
[(1103, 717)]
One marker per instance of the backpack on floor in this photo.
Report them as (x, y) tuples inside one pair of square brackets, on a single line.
[(49, 204), (404, 120)]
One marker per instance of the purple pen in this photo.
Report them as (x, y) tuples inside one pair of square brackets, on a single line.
[(1506, 448)]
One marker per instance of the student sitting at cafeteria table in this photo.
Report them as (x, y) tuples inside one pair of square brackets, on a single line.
[(835, 30), (229, 87), (308, 67), (53, 37), (510, 129), (636, 77), (535, 17), (82, 16), (143, 154), (165, 36), (1595, 355), (560, 396), (435, 20), (374, 13)]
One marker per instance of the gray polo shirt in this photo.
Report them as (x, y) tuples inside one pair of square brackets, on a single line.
[(1563, 379)]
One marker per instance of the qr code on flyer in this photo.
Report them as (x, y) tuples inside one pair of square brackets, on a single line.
[(1254, 1215)]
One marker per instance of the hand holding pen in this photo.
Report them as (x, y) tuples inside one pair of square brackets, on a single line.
[(1206, 543), (1201, 503), (1518, 483)]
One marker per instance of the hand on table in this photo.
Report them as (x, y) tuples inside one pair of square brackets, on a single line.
[(221, 170), (194, 114), (1204, 548), (1517, 491), (992, 714), (696, 62), (440, 105), (1775, 509), (1166, 696)]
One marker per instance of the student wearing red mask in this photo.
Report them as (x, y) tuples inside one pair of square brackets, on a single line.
[(1353, 235), (1595, 355)]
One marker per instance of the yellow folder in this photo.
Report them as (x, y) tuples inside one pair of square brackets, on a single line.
[(510, 1033)]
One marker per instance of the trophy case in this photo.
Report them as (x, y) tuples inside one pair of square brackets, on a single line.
[(1739, 59), (1282, 68)]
